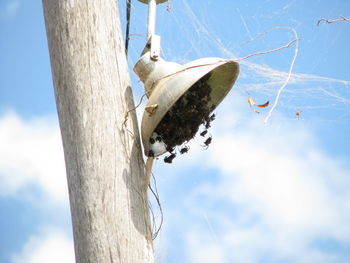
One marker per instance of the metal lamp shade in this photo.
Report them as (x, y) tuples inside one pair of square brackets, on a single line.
[(170, 84)]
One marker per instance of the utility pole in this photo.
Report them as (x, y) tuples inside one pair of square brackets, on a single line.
[(104, 164)]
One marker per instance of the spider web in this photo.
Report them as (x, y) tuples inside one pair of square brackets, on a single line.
[(198, 34)]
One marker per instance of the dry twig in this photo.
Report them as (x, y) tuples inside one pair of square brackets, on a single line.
[(329, 21), (268, 51)]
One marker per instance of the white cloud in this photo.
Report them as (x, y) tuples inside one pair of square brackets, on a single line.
[(10, 9), (277, 196), (31, 154), (52, 246)]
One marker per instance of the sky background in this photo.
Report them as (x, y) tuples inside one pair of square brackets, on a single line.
[(262, 192)]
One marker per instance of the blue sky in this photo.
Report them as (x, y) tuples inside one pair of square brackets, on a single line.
[(262, 192)]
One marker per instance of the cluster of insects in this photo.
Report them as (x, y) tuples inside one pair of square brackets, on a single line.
[(182, 121)]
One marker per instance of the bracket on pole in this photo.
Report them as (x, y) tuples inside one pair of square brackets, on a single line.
[(155, 47), (153, 40)]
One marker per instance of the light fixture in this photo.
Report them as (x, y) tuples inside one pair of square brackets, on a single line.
[(180, 97)]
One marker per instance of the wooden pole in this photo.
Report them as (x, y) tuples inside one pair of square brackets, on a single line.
[(104, 164)]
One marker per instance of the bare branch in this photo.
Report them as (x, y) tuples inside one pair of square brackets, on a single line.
[(329, 21), (269, 51)]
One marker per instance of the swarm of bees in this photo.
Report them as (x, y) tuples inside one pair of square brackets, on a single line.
[(182, 121)]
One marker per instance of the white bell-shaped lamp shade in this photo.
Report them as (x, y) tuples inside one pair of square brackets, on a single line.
[(166, 82)]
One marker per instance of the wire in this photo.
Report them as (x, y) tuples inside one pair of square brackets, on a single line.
[(128, 9)]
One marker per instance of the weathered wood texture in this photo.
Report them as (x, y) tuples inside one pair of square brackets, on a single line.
[(104, 165)]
